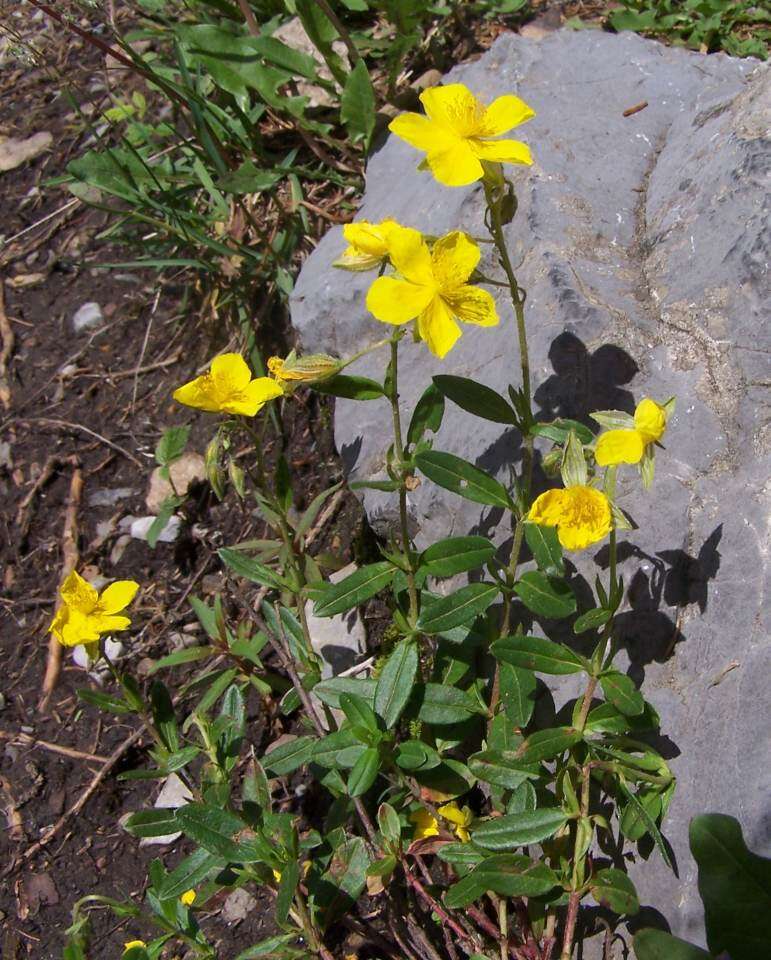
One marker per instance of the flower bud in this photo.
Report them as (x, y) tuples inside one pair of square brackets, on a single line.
[(312, 368)]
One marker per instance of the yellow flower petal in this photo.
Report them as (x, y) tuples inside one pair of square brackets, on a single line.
[(502, 151), (425, 825), (410, 255), (134, 943), (437, 327), (368, 238), (253, 397), (198, 393), (547, 509), (454, 107), (230, 373), (188, 898), (117, 596), (455, 165), (503, 114), (581, 514), (104, 623), (71, 627), (453, 259), (619, 446), (650, 420), (419, 131), (77, 592), (397, 301), (473, 305)]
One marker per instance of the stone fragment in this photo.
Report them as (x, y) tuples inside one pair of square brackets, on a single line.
[(642, 243), (339, 641), (87, 317), (109, 496), (13, 152), (187, 470), (238, 906), (174, 793), (294, 35), (140, 527)]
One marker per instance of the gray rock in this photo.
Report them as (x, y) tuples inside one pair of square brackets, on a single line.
[(109, 496), (140, 527), (340, 640), (640, 241), (87, 317)]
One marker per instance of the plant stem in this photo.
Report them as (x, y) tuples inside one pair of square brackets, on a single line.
[(399, 450), (578, 872), (503, 926)]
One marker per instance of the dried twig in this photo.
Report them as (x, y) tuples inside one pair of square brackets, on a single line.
[(47, 421), (24, 514), (69, 562), (7, 337), (25, 740), (12, 815)]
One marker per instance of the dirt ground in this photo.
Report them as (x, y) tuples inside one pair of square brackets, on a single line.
[(94, 404)]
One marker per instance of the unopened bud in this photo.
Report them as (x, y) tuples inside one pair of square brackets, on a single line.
[(308, 369)]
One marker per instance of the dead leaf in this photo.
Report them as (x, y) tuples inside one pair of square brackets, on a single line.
[(13, 152), (25, 279)]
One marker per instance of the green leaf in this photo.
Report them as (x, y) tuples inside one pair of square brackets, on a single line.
[(457, 608), (456, 555), (361, 718), (250, 569), (507, 874), (441, 705), (312, 511), (290, 877), (502, 768), (189, 873), (185, 655), (657, 945), (165, 514), (289, 756), (631, 824), (163, 715), (159, 822), (545, 596), (613, 889), (476, 398), (546, 548), (537, 653), (216, 830), (395, 683), (591, 620), (427, 415), (463, 478), (328, 691), (517, 692), (605, 718), (354, 589), (364, 772), (649, 822), (326, 750), (350, 387), (274, 948), (622, 693), (735, 886), (344, 880), (416, 755), (559, 430), (248, 178), (357, 104), (547, 744), (520, 829), (389, 823), (172, 445), (104, 701)]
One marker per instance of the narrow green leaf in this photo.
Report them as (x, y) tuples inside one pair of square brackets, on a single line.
[(613, 889), (250, 569), (502, 768), (171, 446), (350, 388), (186, 655), (458, 608), (328, 691), (657, 945), (622, 693), (651, 824), (547, 744), (427, 415), (476, 398), (357, 104), (274, 948), (545, 596), (364, 772), (290, 877), (517, 691), (395, 683), (519, 830), (546, 548), (441, 705), (591, 620), (288, 756), (159, 822), (416, 755), (537, 653), (456, 555), (361, 717), (463, 478), (559, 431), (215, 830), (189, 873), (509, 875), (354, 589)]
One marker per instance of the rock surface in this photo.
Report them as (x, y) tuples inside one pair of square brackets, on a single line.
[(640, 242)]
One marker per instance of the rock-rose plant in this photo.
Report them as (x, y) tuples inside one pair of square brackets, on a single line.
[(476, 829)]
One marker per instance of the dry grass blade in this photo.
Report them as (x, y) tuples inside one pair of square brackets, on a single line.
[(6, 349)]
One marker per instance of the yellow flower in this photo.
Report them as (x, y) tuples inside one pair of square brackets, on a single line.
[(228, 388), (628, 446), (432, 288), (581, 514), (133, 943), (85, 614), (367, 244), (427, 826), (457, 130), (188, 898), (308, 369)]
